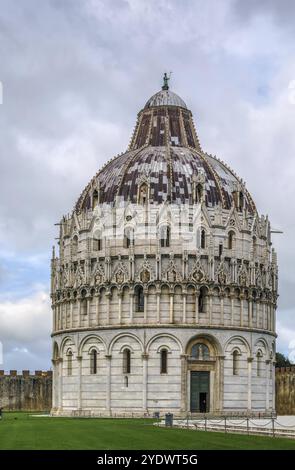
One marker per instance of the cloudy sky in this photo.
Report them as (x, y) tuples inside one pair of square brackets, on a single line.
[(74, 75)]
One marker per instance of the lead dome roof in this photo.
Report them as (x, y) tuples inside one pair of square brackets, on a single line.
[(165, 98), (165, 153)]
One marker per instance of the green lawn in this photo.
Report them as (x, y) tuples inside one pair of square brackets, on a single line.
[(22, 431)]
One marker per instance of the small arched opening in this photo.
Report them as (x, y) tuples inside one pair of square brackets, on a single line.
[(139, 299), (164, 361), (93, 362), (126, 361)]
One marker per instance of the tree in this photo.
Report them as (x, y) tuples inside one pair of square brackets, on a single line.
[(282, 361)]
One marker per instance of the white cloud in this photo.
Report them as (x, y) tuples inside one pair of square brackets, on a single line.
[(25, 331)]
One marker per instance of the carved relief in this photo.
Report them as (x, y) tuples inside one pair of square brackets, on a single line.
[(243, 277), (222, 273), (197, 273), (79, 276), (98, 274), (171, 274), (145, 273), (120, 273)]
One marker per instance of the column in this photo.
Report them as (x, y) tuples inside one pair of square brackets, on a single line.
[(183, 399), (250, 360), (97, 309), (273, 366), (264, 315), (108, 297), (71, 313), (272, 309), (120, 306), (54, 384), (145, 293), (60, 316), (64, 315), (242, 310), (158, 304), (108, 384), (57, 316), (131, 304), (220, 382), (197, 306), (79, 387), (79, 312), (267, 363), (222, 307), (257, 313), (171, 297), (53, 319), (232, 308), (210, 307), (250, 311), (60, 395), (144, 381), (184, 307), (88, 311)]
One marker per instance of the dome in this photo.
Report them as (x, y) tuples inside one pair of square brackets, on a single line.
[(166, 153), (170, 178), (165, 98)]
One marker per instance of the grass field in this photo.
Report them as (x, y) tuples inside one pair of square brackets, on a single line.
[(22, 431)]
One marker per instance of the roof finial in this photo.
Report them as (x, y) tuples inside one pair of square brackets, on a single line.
[(165, 81)]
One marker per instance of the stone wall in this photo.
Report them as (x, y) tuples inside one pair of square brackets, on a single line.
[(26, 391), (285, 390), (145, 388)]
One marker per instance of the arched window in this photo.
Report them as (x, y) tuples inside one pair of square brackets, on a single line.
[(220, 251), (241, 201), (236, 362), (165, 236), (75, 245), (143, 194), (126, 361), (93, 362), (55, 351), (203, 238), (94, 199), (83, 303), (254, 246), (139, 299), (231, 240), (201, 352), (199, 193), (128, 237), (97, 243), (201, 301), (69, 363), (164, 361), (259, 363)]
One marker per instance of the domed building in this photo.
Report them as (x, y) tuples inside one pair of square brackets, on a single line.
[(164, 292)]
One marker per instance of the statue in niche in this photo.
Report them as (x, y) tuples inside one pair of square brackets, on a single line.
[(171, 276), (120, 277), (145, 276), (99, 277)]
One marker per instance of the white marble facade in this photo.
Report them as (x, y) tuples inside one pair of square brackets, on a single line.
[(136, 319)]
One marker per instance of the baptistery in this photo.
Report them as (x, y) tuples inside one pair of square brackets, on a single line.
[(164, 289)]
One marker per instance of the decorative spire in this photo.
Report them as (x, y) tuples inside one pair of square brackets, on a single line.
[(165, 82)]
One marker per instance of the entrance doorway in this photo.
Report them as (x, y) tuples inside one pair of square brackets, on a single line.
[(200, 387)]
